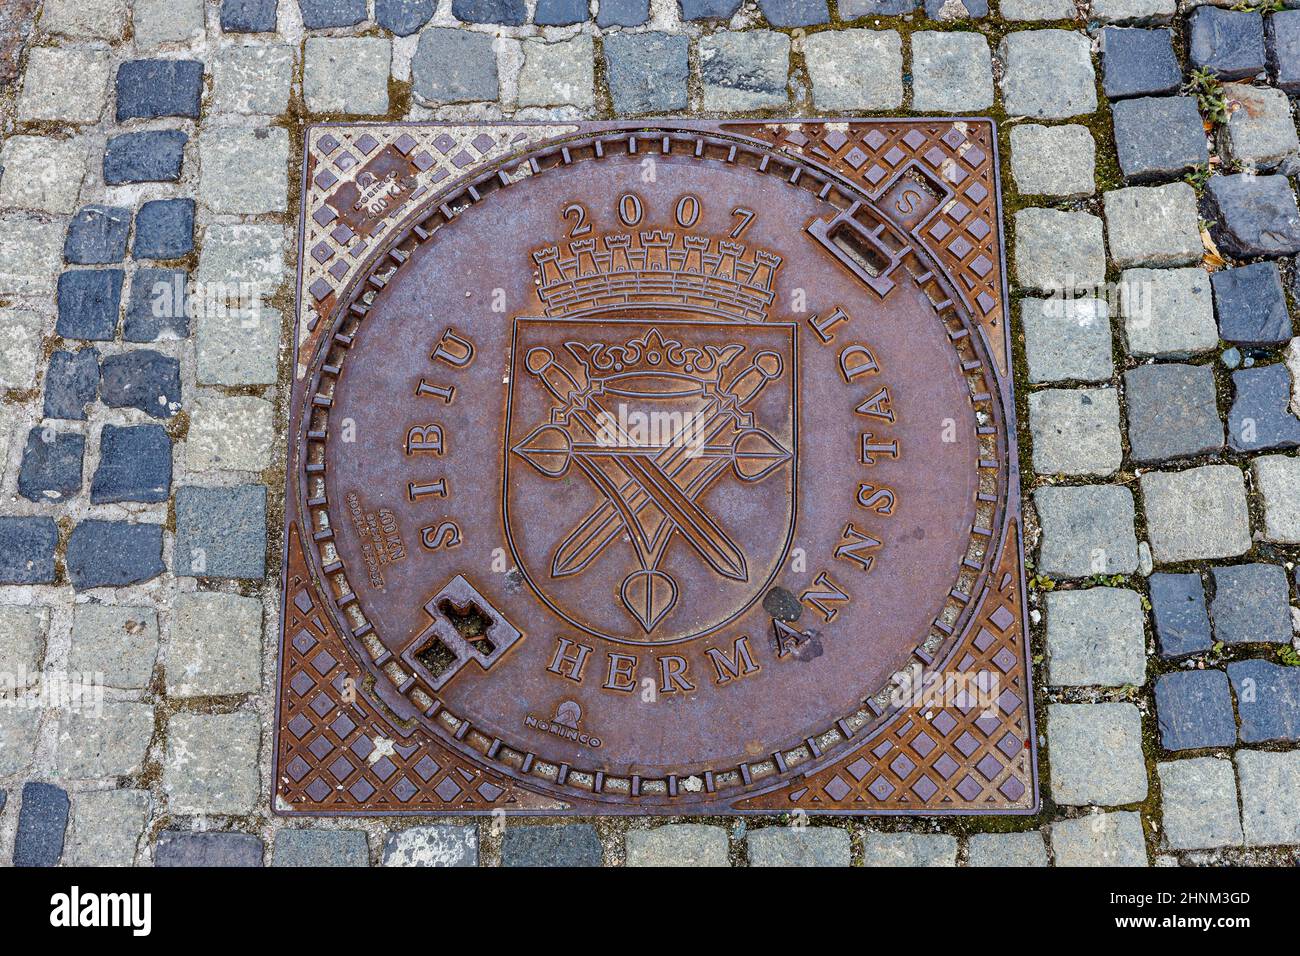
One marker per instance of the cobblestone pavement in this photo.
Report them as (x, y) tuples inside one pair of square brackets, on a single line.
[(1149, 155)]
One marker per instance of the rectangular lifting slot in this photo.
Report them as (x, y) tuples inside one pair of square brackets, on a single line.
[(859, 249)]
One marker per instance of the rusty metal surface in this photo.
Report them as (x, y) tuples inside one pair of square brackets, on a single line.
[(653, 468)]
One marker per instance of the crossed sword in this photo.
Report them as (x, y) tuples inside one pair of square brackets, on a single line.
[(644, 476)]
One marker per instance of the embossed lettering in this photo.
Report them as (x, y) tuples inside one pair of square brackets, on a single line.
[(569, 659), (454, 350), (854, 546), (740, 663), (824, 591)]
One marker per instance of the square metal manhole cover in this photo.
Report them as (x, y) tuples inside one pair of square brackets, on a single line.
[(662, 467)]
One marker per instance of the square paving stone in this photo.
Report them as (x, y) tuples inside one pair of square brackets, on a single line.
[(458, 66), (252, 79), (42, 173), (1283, 29), (1257, 215), (1048, 74), (795, 13), (1138, 62), (20, 348), (1251, 604), (622, 13), (1075, 431), (1020, 10), (93, 19), (106, 827), (248, 16), (745, 71), (438, 845), (1087, 530), (157, 306), (97, 236), (646, 72), (404, 17), (505, 12), (210, 849), (1268, 700), (1158, 137), (135, 464), (320, 848), (71, 383), (18, 733), (243, 169), (166, 21), (561, 12), (1197, 513), (1100, 839), (1270, 796), (51, 468), (119, 642), (27, 549), (853, 9), (1053, 160), (211, 763), (22, 643), (148, 89), (221, 532), (1153, 225), (799, 846), (88, 302), (1182, 622), (1067, 339), (30, 257), (64, 85), (235, 348), (559, 74), (322, 14), (1057, 250), (1128, 11), (1096, 753), (147, 157), (909, 849), (679, 844), (709, 9), (1198, 802), (1260, 416), (1229, 43), (1261, 132), (249, 256), (1095, 638), (346, 74), (216, 645), (1277, 480), (42, 825), (111, 743), (1194, 710), (1252, 305), (951, 72), (1006, 850), (564, 845), (164, 229), (143, 379), (113, 553), (855, 69), (230, 433), (1168, 313), (1172, 412)]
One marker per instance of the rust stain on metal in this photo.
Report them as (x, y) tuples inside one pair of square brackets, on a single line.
[(653, 468)]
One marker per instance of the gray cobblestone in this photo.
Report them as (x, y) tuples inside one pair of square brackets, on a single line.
[(1270, 796), (438, 845), (558, 74), (252, 78), (1067, 339), (575, 844), (1129, 11), (119, 642), (94, 19), (22, 643), (1172, 412), (1048, 74), (68, 85), (106, 827), (647, 71), (30, 257), (320, 848), (798, 846), (1198, 800), (216, 645), (221, 532), (744, 71), (111, 744), (679, 844), (1095, 638), (1096, 753), (909, 849), (855, 69), (1006, 849), (1053, 160), (42, 173), (1197, 513), (154, 22), (235, 349), (951, 72), (1100, 839), (1020, 10), (1075, 431), (1277, 479), (1261, 132), (230, 433), (211, 763), (1086, 530), (1168, 313), (18, 730), (243, 169), (346, 74), (1057, 250), (1153, 225), (454, 66)]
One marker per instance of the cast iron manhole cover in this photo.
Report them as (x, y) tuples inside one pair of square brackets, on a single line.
[(653, 468)]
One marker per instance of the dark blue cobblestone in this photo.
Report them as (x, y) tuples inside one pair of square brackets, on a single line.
[(1194, 710), (1256, 215), (143, 379), (561, 13), (71, 383), (709, 9), (158, 303), (221, 532), (505, 12), (135, 464), (248, 16), (27, 549), (207, 849), (321, 14), (1284, 49), (1228, 42), (154, 156), (148, 89), (1251, 305), (164, 229), (1182, 622), (795, 13), (403, 17), (1157, 137), (113, 553), (88, 303), (1268, 700), (42, 823), (51, 468), (1138, 62), (622, 13), (97, 236), (1260, 417)]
